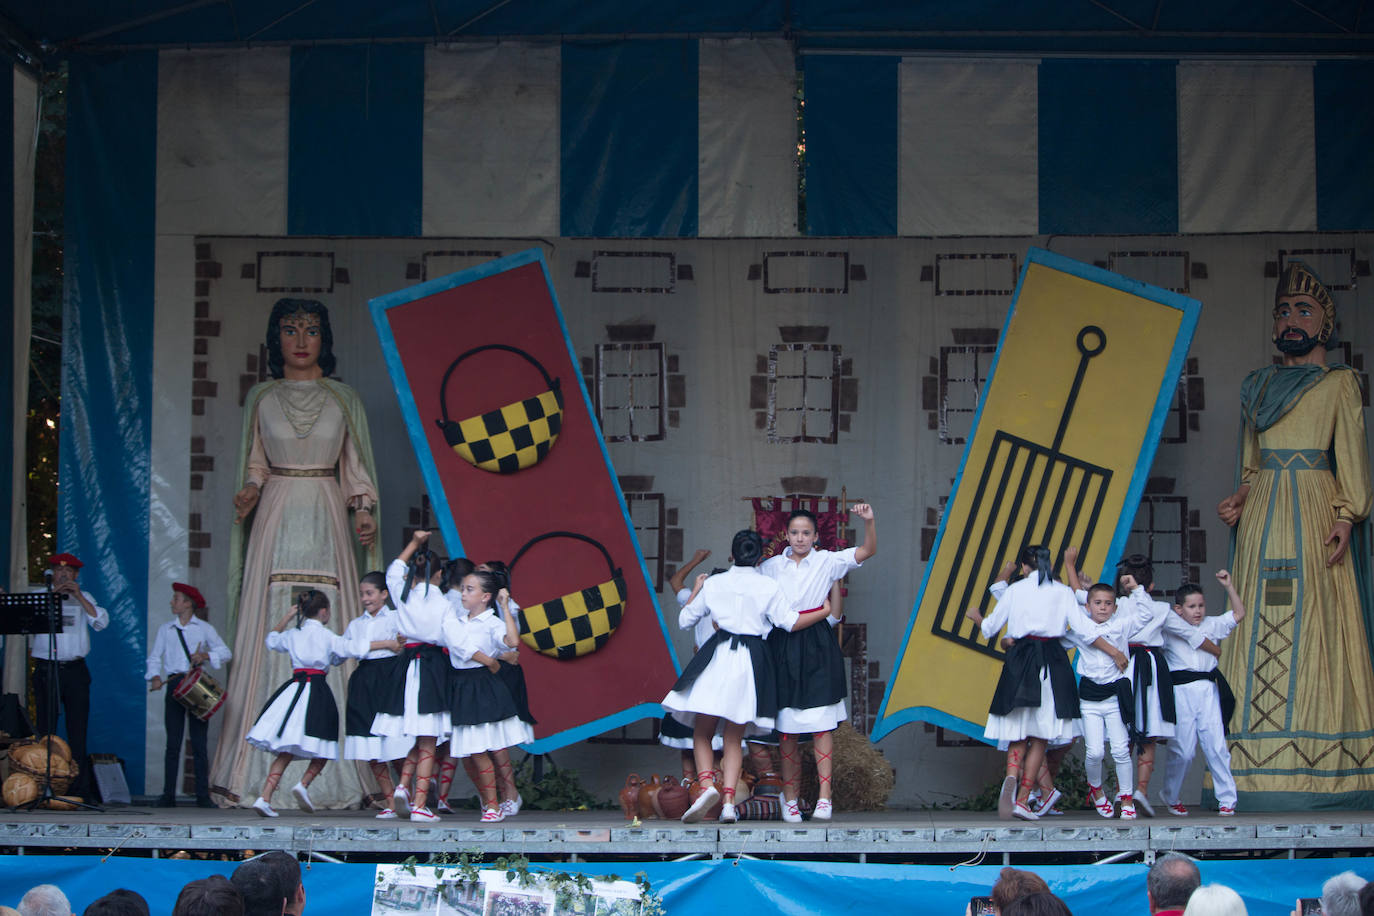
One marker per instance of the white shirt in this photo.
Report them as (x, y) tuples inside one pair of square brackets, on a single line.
[(1028, 608), (420, 618), (1094, 663), (314, 645), (1158, 618), (75, 640), (806, 583), (167, 655), (465, 635), (704, 628), (1185, 657), (374, 628), (741, 600)]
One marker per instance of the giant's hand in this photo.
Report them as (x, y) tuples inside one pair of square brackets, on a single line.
[(244, 502), (1228, 510), (367, 527), (1340, 536)]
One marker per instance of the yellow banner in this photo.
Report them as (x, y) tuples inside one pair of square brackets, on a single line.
[(1061, 447)]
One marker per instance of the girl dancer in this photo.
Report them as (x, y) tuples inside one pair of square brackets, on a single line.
[(301, 719), (444, 766), (730, 680), (811, 680), (416, 706), (1035, 699), (369, 680), (483, 714), (513, 676)]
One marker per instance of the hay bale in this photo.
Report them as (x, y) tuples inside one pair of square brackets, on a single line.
[(863, 779)]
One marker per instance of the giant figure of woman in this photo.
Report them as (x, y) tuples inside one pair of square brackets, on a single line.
[(1302, 736), (307, 505)]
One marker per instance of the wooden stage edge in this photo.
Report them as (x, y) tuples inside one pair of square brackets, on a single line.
[(915, 836)]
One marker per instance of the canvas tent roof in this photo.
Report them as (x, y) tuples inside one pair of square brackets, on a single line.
[(1011, 26)]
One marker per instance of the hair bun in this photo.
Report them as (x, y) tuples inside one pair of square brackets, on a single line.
[(747, 548)]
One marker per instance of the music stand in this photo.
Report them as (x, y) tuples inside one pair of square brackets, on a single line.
[(32, 614)]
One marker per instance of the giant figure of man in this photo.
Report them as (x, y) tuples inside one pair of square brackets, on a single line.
[(1300, 663)]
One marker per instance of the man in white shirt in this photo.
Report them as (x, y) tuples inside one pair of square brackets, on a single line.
[(182, 644), (73, 687)]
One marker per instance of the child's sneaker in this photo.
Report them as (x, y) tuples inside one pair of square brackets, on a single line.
[(1098, 799), (302, 797), (1127, 808), (492, 815), (1006, 799), (824, 809), (727, 814), (263, 808), (704, 801), (1226, 811), (790, 812), (1177, 809), (1024, 813), (512, 806), (1145, 807), (400, 801), (443, 807), (387, 814), (423, 816), (1048, 806)]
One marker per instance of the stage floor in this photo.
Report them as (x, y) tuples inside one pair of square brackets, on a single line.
[(914, 836)]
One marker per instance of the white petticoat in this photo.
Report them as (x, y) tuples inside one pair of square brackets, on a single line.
[(1033, 721), (466, 740), (725, 688), (792, 721), (374, 747)]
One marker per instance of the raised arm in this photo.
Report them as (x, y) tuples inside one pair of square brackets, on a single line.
[(1237, 607), (870, 543), (678, 579)]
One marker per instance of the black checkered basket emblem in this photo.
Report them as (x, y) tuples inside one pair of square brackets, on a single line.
[(509, 438), (578, 623)]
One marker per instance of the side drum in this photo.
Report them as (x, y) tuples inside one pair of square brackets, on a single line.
[(201, 694)]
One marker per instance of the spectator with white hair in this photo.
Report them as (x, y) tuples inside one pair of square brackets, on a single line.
[(1215, 900), (45, 900), (1341, 894)]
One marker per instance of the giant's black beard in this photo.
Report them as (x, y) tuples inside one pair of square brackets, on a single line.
[(1299, 346)]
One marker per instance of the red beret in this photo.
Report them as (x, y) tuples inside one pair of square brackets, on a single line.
[(65, 559), (190, 591)]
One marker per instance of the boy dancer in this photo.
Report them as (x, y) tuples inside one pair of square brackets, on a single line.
[(1202, 696), (182, 644)]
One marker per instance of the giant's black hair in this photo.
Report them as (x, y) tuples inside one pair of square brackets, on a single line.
[(285, 307)]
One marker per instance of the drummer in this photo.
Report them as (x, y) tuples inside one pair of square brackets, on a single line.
[(182, 644)]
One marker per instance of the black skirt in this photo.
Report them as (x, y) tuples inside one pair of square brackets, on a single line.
[(370, 680), (435, 671), (513, 676), (808, 666), (477, 696), (1018, 686), (321, 712)]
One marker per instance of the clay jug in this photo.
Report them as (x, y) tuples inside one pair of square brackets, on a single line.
[(647, 791), (769, 783), (672, 799), (629, 796)]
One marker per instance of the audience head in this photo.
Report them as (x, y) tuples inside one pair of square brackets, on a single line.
[(1171, 881), (1215, 900), (1367, 900), (1013, 884), (8, 911), (270, 884), (118, 902), (1039, 904), (1341, 894), (45, 900), (212, 896)]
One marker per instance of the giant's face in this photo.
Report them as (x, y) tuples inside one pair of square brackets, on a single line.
[(1297, 324), (300, 341)]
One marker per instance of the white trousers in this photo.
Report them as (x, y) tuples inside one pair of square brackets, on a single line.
[(1102, 722), (1199, 723)]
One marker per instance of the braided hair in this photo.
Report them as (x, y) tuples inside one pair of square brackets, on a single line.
[(423, 564)]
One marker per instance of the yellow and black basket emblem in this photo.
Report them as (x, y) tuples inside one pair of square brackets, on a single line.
[(578, 623), (509, 438)]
